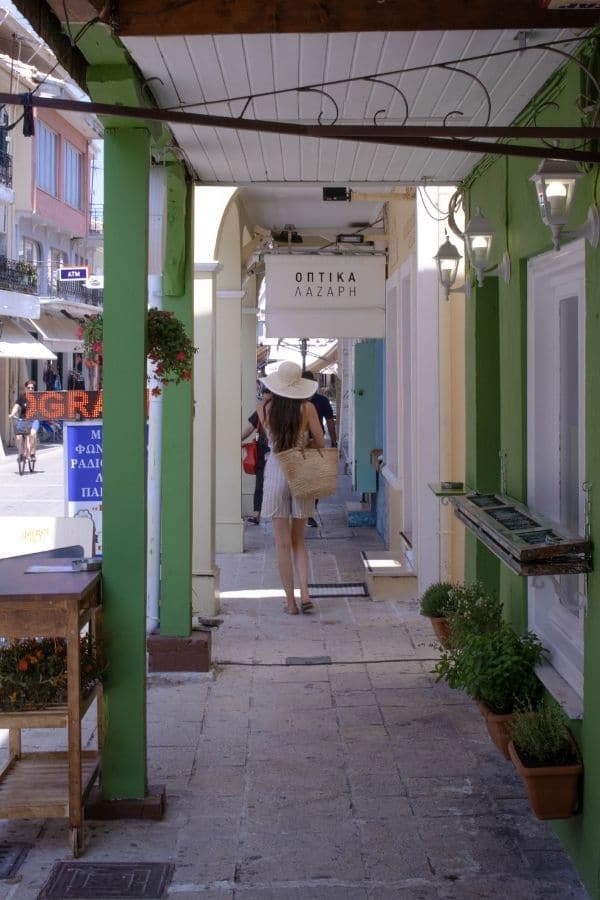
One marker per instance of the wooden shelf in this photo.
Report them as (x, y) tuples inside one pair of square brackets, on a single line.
[(50, 717), (440, 491), (53, 605), (525, 541), (36, 785)]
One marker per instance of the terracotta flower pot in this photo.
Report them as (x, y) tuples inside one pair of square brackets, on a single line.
[(496, 726), (553, 791), (441, 628)]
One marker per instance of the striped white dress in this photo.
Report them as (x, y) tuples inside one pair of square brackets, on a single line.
[(278, 503)]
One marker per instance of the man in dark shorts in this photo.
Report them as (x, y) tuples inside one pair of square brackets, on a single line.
[(325, 414), (262, 451)]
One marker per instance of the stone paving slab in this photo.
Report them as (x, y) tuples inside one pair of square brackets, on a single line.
[(358, 780)]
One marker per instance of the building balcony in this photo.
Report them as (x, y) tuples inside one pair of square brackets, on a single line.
[(18, 275), (5, 169), (96, 220), (77, 292)]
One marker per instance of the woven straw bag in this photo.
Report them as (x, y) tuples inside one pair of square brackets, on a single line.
[(311, 472)]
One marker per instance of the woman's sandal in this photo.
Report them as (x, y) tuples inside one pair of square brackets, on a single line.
[(253, 519), (307, 606)]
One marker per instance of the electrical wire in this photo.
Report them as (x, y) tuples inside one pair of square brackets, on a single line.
[(425, 198)]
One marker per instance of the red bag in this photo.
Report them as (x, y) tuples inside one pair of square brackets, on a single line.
[(250, 451)]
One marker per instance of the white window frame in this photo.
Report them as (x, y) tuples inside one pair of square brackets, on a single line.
[(552, 278), (46, 159), (72, 154)]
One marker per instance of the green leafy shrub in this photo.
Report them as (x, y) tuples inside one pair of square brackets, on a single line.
[(435, 601), (168, 345), (495, 668), (473, 610), (33, 673), (542, 737)]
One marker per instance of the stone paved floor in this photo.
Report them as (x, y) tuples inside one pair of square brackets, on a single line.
[(354, 780)]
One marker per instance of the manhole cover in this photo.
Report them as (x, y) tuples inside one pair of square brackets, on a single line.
[(307, 660), (99, 881), (348, 589), (11, 857)]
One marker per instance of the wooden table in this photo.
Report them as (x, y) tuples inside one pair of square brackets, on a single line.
[(50, 784)]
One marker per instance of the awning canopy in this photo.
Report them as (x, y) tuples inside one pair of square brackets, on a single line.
[(17, 343), (58, 332)]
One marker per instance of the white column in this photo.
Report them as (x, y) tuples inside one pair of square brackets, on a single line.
[(248, 383), (205, 573), (229, 525), (426, 401)]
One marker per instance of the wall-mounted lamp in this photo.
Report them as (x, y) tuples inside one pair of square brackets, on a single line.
[(478, 237), (447, 259), (555, 182)]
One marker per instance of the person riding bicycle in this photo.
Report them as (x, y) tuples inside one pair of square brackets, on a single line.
[(19, 411)]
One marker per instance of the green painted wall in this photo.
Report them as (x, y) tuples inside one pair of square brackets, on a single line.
[(496, 412)]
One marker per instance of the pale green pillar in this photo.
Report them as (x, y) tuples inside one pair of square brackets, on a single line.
[(205, 572), (176, 501), (126, 184)]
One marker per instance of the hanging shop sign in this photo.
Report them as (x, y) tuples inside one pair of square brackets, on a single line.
[(324, 295)]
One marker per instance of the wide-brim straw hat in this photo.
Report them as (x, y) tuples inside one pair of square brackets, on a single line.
[(287, 381)]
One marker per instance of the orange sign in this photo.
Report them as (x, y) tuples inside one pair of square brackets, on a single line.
[(64, 405)]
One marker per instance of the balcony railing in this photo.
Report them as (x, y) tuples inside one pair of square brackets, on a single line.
[(79, 293), (18, 275), (96, 225), (5, 168)]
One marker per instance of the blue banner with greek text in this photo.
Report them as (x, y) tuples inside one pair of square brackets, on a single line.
[(84, 463)]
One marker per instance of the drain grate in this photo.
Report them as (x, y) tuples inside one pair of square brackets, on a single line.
[(11, 857), (307, 660), (99, 881), (347, 589)]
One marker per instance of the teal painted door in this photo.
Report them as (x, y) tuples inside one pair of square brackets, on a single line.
[(366, 403)]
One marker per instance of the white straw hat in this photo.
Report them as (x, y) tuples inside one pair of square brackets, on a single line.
[(287, 381)]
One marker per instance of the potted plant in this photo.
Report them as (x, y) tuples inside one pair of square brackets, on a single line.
[(473, 609), (497, 669), (435, 605), (168, 345), (547, 759), (33, 672)]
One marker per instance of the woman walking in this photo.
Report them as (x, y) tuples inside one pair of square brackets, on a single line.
[(289, 420)]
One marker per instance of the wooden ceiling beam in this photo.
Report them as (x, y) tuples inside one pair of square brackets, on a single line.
[(132, 18)]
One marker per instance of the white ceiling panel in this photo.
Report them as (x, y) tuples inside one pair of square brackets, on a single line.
[(214, 75)]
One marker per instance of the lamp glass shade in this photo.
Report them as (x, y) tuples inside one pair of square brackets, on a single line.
[(555, 182), (479, 235), (447, 259)]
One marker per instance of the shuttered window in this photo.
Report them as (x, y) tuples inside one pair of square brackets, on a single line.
[(73, 170), (46, 159)]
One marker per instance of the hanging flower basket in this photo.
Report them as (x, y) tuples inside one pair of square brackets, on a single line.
[(33, 673), (168, 345)]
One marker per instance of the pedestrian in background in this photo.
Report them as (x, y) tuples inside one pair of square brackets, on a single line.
[(261, 459), (325, 414)]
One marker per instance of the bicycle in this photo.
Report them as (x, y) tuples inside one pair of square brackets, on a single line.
[(22, 439)]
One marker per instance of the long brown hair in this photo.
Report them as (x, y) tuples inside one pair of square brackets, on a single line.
[(284, 417)]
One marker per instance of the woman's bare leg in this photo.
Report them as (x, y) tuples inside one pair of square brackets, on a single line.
[(283, 543), (300, 559)]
